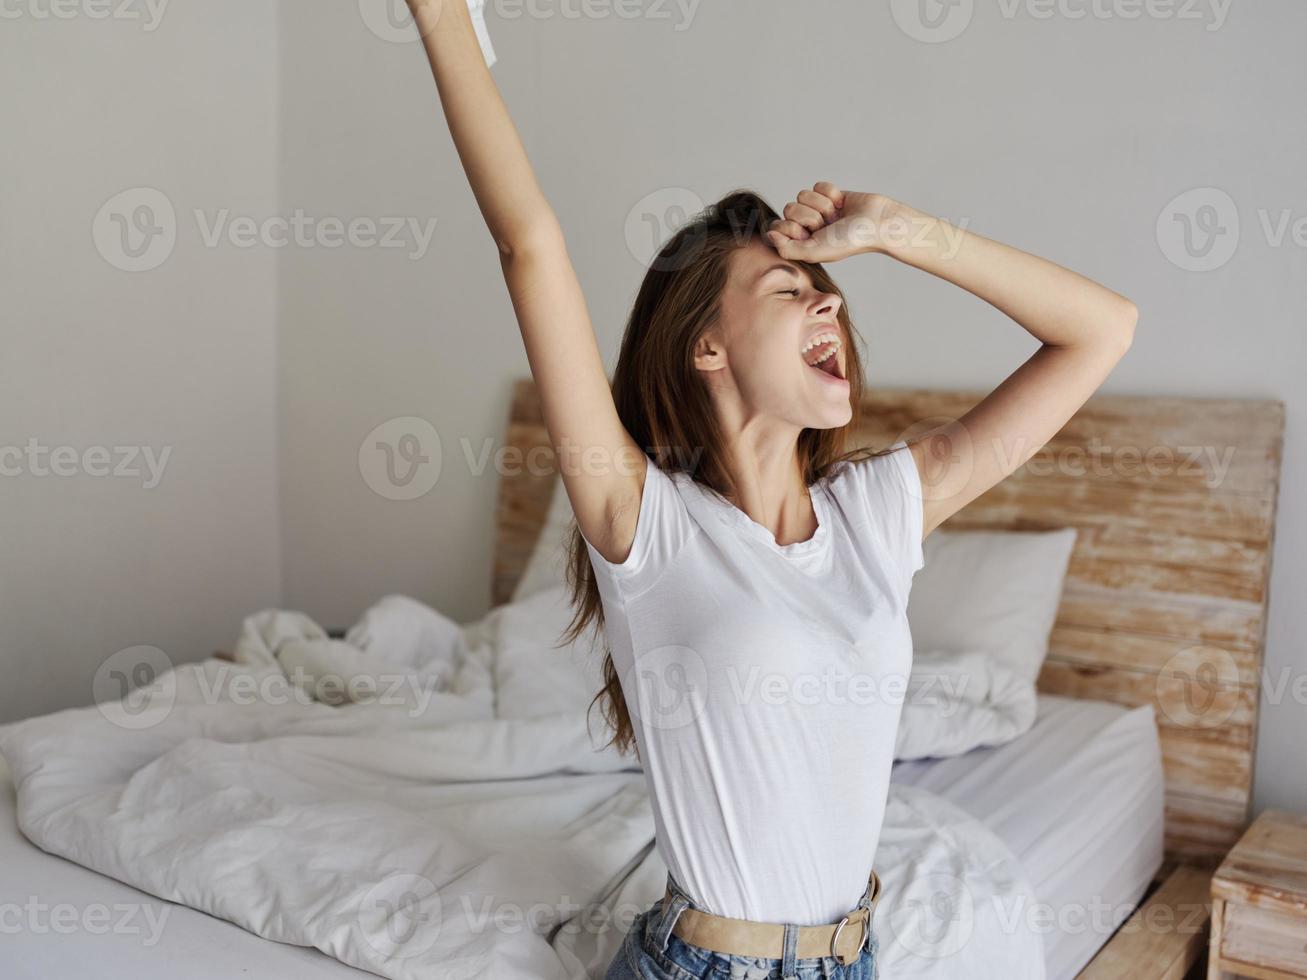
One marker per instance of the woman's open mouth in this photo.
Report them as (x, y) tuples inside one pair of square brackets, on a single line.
[(821, 354)]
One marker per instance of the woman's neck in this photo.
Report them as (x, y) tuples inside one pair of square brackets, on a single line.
[(769, 485)]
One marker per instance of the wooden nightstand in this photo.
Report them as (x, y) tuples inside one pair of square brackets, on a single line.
[(1259, 902)]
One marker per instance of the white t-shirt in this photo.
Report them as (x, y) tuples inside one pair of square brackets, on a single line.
[(765, 684)]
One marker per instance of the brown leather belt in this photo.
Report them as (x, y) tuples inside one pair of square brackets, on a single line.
[(744, 937)]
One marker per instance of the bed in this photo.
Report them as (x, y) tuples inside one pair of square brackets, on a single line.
[(1164, 607), (1168, 579), (1077, 752)]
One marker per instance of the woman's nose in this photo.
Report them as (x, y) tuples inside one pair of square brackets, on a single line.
[(827, 304)]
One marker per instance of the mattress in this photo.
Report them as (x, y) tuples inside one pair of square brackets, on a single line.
[(1079, 799)]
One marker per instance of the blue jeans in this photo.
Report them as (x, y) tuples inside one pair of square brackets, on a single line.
[(651, 951)]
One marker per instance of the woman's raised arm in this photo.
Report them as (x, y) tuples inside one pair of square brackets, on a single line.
[(600, 463), (1085, 329)]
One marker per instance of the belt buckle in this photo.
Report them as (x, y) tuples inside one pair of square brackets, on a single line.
[(865, 919)]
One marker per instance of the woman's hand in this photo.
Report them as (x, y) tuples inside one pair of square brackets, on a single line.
[(826, 224)]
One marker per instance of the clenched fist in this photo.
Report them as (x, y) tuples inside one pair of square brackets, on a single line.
[(826, 224)]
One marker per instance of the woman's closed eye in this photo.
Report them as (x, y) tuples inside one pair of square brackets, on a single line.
[(788, 292)]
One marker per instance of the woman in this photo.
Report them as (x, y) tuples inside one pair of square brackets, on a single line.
[(751, 582)]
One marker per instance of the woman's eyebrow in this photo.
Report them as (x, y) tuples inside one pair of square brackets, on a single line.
[(782, 267)]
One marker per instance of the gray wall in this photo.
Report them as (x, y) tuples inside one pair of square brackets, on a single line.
[(180, 359), (1069, 137)]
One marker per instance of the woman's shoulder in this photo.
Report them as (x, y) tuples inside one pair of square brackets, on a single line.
[(663, 525), (871, 470), (883, 489)]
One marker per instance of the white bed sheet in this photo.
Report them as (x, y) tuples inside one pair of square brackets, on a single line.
[(1079, 799)]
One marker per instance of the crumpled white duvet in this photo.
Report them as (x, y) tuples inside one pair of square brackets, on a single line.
[(423, 834), (956, 702)]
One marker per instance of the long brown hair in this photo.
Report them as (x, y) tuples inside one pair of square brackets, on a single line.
[(665, 406)]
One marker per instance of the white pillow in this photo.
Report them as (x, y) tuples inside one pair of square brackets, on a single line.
[(992, 591), (547, 565)]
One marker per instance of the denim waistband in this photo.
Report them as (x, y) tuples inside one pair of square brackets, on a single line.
[(668, 911)]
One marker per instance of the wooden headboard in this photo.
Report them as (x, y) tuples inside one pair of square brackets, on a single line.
[(1166, 594)]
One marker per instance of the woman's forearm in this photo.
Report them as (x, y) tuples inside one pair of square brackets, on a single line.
[(1059, 307), (511, 201)]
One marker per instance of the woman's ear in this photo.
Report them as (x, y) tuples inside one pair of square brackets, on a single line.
[(708, 354)]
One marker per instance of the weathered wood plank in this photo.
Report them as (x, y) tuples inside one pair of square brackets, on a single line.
[(1164, 937), (1075, 645)]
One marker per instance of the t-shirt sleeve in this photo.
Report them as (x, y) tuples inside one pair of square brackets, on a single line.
[(662, 527), (891, 489)]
